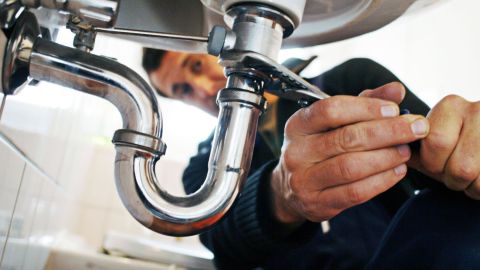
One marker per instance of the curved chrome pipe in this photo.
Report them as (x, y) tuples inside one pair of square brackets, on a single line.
[(139, 144), (100, 77), (227, 169)]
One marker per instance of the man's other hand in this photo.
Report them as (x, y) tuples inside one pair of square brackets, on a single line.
[(340, 152), (451, 151)]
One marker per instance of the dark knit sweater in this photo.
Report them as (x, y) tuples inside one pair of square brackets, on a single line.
[(248, 236)]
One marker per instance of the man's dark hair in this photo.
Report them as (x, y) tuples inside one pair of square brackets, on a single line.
[(152, 59)]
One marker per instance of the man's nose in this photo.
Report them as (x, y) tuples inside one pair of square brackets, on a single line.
[(203, 87)]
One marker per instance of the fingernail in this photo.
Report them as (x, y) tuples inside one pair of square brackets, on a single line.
[(400, 170), (403, 150), (419, 126), (389, 111)]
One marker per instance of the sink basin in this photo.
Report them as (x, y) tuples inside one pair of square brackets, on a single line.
[(323, 21), (327, 21)]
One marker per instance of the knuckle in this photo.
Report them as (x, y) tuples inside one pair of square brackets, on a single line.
[(475, 109), (452, 101), (289, 159), (464, 172), (330, 108), (297, 185), (398, 129), (454, 184), (350, 138), (290, 126), (307, 114), (354, 196), (310, 210), (439, 141), (330, 142), (346, 168)]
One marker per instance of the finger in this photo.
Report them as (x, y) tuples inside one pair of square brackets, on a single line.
[(338, 111), (393, 91), (463, 165), (473, 190), (346, 196), (445, 127), (365, 136), (348, 168)]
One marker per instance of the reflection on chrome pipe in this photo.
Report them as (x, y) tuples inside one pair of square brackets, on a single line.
[(101, 77), (227, 170), (139, 144)]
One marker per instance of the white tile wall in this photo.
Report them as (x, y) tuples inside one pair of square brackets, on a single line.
[(11, 172), (23, 220), (46, 226)]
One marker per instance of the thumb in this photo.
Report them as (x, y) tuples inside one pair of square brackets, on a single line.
[(393, 91)]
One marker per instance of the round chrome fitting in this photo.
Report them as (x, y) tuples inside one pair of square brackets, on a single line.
[(258, 13), (135, 139), (242, 96), (258, 28), (16, 59)]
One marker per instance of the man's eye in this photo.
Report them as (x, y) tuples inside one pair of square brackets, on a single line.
[(196, 67), (182, 90)]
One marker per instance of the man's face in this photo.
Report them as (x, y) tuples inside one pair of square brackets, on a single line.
[(192, 78)]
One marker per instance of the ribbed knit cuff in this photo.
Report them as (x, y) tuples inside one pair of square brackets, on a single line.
[(255, 220)]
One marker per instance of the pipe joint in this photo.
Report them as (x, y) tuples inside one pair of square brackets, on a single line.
[(242, 96), (138, 140)]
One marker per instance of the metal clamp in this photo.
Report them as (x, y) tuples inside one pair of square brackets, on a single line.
[(239, 95), (135, 139), (84, 35)]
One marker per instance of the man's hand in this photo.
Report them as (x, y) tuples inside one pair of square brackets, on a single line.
[(341, 152), (451, 151)]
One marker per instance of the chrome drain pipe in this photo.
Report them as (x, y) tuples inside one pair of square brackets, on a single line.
[(139, 145)]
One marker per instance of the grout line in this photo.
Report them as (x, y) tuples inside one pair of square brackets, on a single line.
[(4, 99), (9, 143), (32, 223), (13, 213)]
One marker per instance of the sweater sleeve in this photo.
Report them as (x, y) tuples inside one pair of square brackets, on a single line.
[(248, 233)]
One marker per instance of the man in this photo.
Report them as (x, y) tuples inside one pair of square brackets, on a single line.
[(341, 159)]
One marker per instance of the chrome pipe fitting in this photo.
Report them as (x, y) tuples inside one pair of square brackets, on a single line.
[(258, 28), (228, 166), (16, 54), (139, 145)]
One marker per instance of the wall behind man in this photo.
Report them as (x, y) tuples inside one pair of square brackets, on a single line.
[(434, 51)]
